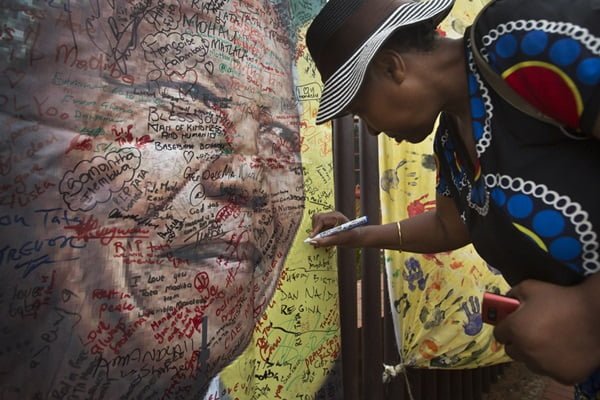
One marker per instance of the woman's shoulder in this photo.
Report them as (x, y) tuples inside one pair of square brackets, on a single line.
[(547, 52)]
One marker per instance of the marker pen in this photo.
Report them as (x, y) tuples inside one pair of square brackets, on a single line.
[(340, 228)]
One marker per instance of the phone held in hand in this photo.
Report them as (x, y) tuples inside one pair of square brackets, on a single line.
[(496, 307)]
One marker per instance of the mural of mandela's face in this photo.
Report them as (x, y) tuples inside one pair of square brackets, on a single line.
[(151, 189)]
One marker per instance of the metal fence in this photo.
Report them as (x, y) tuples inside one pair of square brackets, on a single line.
[(366, 348)]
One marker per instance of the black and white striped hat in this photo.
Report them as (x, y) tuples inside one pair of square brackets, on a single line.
[(345, 36)]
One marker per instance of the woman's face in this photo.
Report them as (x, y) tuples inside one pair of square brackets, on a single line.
[(402, 109), (153, 175)]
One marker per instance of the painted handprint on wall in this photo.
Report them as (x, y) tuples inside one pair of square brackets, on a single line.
[(419, 206), (402, 305), (473, 312), (389, 178), (434, 319), (414, 274)]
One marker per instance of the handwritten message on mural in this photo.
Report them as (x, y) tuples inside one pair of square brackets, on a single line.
[(157, 164)]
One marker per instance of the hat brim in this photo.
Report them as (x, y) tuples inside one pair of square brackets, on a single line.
[(341, 87)]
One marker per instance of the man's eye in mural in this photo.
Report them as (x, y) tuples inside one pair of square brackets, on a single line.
[(283, 140), (236, 195)]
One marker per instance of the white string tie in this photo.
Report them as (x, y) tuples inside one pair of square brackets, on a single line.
[(392, 371)]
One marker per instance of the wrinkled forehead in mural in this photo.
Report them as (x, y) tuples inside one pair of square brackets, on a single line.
[(151, 189)]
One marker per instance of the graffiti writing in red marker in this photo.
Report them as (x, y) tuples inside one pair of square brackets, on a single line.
[(203, 286), (78, 144), (90, 229), (230, 210)]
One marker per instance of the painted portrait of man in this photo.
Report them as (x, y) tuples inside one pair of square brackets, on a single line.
[(151, 189)]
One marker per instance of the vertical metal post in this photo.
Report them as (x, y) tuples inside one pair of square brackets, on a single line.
[(415, 379), (371, 271), (343, 161), (444, 385), (477, 383), (486, 379), (467, 376), (395, 389), (457, 384), (429, 384)]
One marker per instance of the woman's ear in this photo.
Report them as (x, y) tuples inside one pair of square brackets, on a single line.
[(390, 64)]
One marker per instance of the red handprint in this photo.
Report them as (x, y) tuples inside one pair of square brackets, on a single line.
[(418, 207)]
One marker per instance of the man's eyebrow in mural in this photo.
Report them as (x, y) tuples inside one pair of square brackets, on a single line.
[(196, 91), (284, 136)]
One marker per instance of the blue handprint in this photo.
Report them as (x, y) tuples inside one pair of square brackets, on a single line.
[(414, 273), (474, 320)]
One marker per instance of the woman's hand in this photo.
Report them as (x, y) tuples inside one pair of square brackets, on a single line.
[(555, 331), (327, 220)]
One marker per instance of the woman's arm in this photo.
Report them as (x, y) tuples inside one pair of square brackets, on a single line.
[(431, 232)]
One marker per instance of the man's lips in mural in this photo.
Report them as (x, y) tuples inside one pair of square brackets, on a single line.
[(228, 252)]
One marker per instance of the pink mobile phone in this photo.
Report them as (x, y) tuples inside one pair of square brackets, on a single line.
[(495, 307)]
